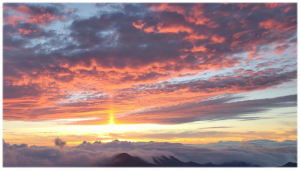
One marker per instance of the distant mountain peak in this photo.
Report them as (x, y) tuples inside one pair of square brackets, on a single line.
[(126, 160), (122, 156)]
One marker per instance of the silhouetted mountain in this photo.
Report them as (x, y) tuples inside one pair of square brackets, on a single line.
[(237, 164), (290, 164), (126, 160), (174, 162)]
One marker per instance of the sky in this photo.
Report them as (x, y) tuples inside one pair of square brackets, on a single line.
[(179, 73)]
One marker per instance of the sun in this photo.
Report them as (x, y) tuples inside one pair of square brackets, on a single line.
[(111, 121)]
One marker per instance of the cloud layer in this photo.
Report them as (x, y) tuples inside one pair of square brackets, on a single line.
[(60, 64), (87, 154)]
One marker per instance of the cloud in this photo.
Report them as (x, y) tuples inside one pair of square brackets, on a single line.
[(59, 142), (13, 20), (87, 154), (257, 143), (220, 108), (20, 91), (33, 13), (14, 146), (132, 51), (281, 49), (225, 83), (27, 30)]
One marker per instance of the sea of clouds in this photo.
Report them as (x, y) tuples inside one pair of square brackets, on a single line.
[(262, 153)]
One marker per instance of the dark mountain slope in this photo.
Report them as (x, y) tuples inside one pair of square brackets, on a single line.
[(290, 164), (126, 160), (174, 162)]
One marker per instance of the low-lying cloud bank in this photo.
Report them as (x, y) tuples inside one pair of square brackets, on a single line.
[(87, 154), (266, 143)]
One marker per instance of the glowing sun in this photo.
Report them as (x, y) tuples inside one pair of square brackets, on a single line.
[(111, 121)]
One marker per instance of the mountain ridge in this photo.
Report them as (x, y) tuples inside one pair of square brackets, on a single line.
[(126, 160)]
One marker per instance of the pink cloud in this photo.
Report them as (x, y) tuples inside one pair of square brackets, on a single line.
[(281, 49), (13, 19)]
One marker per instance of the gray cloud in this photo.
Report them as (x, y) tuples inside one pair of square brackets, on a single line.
[(59, 142)]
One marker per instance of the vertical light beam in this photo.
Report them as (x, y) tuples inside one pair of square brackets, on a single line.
[(111, 113), (111, 120)]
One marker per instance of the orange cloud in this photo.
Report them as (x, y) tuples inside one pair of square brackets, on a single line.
[(173, 28), (275, 25), (149, 29), (168, 7), (139, 24), (197, 49), (237, 35), (217, 39), (270, 24), (24, 31), (196, 16), (122, 100), (199, 20), (194, 37)]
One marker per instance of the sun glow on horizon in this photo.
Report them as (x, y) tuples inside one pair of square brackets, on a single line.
[(111, 121)]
